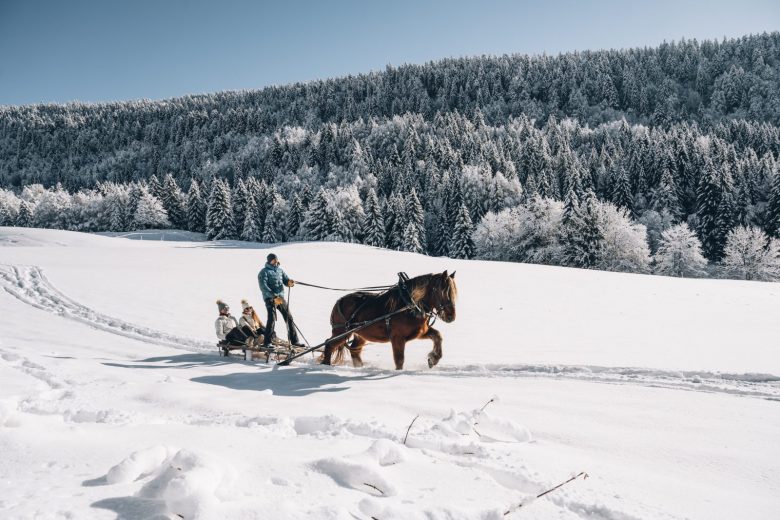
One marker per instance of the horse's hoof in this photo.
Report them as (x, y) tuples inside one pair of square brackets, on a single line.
[(430, 362)]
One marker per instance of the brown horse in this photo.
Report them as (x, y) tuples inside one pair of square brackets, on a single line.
[(434, 294)]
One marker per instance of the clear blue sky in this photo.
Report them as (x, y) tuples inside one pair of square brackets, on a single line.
[(58, 51)]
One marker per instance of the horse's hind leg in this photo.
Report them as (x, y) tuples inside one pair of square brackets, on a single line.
[(330, 347), (434, 355), (355, 350)]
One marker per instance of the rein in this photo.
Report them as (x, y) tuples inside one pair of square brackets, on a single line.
[(374, 288)]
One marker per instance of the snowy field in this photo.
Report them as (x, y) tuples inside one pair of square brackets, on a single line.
[(114, 404)]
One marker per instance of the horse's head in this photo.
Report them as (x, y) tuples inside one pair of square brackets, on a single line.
[(442, 294)]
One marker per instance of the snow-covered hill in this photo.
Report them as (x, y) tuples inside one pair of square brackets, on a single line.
[(113, 402)]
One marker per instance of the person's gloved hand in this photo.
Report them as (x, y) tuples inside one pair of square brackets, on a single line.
[(278, 300), (290, 283)]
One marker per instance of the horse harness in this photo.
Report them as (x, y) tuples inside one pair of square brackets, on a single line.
[(405, 296)]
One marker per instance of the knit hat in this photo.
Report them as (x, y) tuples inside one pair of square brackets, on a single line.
[(244, 304), (270, 257), (222, 306)]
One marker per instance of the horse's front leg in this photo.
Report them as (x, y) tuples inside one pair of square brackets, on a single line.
[(434, 355), (399, 345)]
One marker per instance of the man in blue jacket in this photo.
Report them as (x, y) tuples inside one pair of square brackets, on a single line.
[(272, 280)]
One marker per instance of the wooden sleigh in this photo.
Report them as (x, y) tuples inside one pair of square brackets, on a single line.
[(253, 348)]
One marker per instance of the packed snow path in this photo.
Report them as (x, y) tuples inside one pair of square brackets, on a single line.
[(30, 285)]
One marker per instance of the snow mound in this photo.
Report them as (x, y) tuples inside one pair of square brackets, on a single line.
[(139, 464), (365, 471), (190, 485), (9, 416)]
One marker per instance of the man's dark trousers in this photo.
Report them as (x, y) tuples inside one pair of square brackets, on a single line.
[(270, 323)]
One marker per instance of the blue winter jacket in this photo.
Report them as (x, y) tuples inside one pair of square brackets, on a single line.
[(272, 280)]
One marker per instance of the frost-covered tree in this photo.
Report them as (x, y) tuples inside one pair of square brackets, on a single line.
[(318, 223), (24, 217), (679, 253), (196, 208), (750, 254), (219, 216), (275, 221), (239, 201), (52, 209), (150, 213), (412, 239), (773, 207), (373, 229), (251, 230), (174, 202), (462, 245), (295, 216), (415, 217)]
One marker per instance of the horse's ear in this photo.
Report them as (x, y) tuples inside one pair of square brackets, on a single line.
[(452, 275), (444, 274)]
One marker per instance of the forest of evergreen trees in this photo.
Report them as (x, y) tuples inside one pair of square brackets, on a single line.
[(660, 159)]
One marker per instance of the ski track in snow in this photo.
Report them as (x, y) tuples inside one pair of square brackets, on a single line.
[(29, 285)]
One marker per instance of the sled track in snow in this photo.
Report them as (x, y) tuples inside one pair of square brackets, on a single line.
[(29, 285)]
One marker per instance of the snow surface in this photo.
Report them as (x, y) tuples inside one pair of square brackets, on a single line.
[(114, 404)]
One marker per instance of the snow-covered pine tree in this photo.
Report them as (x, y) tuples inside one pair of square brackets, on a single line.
[(154, 187), (136, 191), (571, 205), (373, 221), (196, 208), (119, 216), (400, 222), (6, 217), (666, 195), (275, 221), (621, 193), (390, 218), (709, 198), (462, 245), (750, 254), (25, 215), (173, 201), (583, 235), (679, 253), (250, 230), (239, 201), (412, 239), (416, 217), (150, 213), (772, 216), (319, 218), (219, 216), (295, 216)]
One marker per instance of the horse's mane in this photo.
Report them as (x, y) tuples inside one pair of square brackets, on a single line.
[(418, 286)]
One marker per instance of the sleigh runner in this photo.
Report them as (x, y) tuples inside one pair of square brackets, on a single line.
[(253, 349)]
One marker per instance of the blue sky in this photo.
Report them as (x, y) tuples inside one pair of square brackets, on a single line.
[(59, 51)]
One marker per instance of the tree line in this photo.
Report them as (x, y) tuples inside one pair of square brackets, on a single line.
[(685, 133)]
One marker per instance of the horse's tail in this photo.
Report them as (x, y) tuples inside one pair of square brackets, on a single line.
[(339, 354)]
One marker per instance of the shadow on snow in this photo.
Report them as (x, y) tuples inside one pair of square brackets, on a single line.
[(293, 381)]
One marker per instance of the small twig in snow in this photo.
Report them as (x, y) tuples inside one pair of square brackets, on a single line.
[(373, 486), (409, 428), (540, 495), (492, 399)]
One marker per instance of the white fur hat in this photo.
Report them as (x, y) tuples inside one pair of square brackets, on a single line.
[(244, 304)]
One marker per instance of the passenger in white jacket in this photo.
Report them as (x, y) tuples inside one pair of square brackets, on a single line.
[(227, 328)]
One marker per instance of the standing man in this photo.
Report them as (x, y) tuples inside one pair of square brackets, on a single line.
[(272, 280)]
